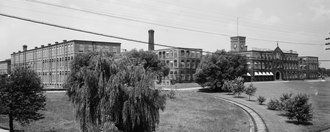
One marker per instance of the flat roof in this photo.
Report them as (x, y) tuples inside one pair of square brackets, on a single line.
[(64, 41)]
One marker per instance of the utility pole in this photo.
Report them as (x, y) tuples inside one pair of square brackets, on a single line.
[(327, 43)]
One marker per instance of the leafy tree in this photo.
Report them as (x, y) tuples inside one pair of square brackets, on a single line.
[(215, 68), (21, 94), (250, 90), (261, 99), (298, 108), (113, 93), (149, 60), (238, 86)]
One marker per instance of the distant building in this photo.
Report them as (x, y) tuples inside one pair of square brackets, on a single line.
[(308, 66), (267, 65), (5, 67), (182, 62), (52, 62)]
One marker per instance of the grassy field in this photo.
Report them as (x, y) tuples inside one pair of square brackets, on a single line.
[(189, 111), (318, 91)]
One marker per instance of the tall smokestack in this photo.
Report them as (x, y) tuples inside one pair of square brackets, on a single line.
[(151, 45)]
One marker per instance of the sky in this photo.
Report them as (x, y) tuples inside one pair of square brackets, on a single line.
[(206, 24)]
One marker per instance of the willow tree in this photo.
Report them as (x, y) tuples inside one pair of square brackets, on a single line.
[(113, 93)]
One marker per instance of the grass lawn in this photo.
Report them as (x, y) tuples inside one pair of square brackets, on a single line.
[(189, 111), (318, 91), (199, 112)]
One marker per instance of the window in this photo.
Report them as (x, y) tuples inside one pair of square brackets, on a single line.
[(175, 53), (182, 64)]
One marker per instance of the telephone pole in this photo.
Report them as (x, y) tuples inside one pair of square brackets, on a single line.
[(327, 43)]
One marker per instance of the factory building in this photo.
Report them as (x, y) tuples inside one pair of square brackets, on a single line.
[(52, 61)]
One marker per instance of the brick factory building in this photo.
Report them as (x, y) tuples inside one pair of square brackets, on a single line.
[(51, 62), (182, 62), (5, 67), (308, 67), (267, 65)]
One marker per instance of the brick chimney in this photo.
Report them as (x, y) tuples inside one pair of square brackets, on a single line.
[(151, 44), (24, 47)]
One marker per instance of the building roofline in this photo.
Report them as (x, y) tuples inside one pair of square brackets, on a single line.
[(179, 48), (64, 41), (309, 56), (6, 60)]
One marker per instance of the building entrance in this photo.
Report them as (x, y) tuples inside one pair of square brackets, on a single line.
[(277, 76)]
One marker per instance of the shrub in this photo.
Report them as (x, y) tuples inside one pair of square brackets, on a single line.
[(171, 94), (261, 99), (298, 108), (238, 86), (283, 99), (273, 104), (226, 87), (250, 90)]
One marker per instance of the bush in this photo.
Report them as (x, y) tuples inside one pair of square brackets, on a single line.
[(238, 86), (250, 90), (283, 99), (261, 99), (298, 108), (273, 104), (226, 87), (171, 94)]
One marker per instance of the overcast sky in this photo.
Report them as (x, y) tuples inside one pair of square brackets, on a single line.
[(306, 22)]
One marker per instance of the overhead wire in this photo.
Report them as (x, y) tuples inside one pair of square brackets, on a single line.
[(168, 26), (90, 32)]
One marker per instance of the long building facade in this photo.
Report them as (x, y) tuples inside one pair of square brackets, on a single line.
[(182, 62), (52, 62), (267, 65)]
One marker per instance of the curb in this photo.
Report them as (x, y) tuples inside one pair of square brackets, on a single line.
[(259, 124)]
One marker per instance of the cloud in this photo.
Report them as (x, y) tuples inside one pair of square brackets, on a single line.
[(259, 15)]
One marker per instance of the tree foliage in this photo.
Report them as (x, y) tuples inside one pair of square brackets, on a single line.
[(22, 96), (215, 68), (149, 60), (114, 93), (250, 90)]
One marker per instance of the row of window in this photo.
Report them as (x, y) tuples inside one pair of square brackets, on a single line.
[(271, 57), (268, 65), (183, 64), (182, 53)]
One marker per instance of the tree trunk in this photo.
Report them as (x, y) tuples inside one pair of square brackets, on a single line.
[(11, 124)]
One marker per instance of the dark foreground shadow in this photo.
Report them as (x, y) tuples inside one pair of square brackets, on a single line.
[(209, 90), (238, 97), (299, 123)]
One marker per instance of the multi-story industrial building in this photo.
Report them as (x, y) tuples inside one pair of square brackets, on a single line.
[(5, 67), (51, 62), (267, 65), (308, 67), (182, 62)]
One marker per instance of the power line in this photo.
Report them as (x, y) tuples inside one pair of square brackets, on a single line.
[(128, 19), (90, 32), (168, 26)]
